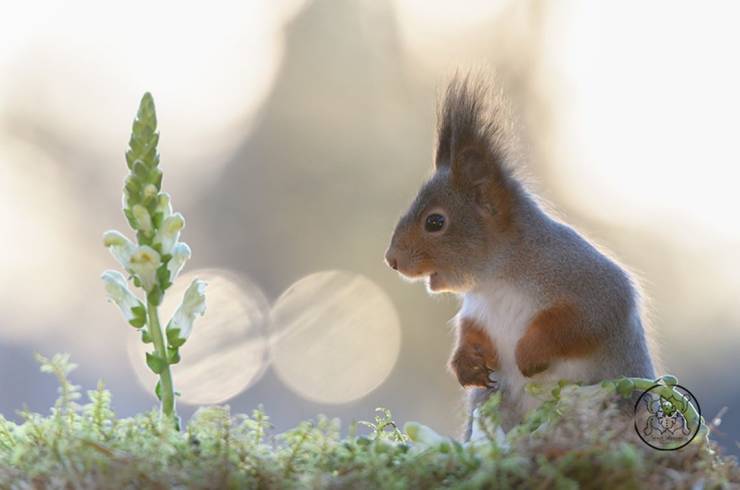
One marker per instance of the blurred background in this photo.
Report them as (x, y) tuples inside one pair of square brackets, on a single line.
[(295, 132)]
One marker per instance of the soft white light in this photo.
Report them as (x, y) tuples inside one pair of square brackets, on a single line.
[(41, 246), (334, 336), (434, 31), (82, 66), (649, 111)]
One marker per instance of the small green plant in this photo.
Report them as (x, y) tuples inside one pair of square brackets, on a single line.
[(384, 428), (154, 261), (574, 440)]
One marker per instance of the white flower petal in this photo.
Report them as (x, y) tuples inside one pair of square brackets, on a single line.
[(120, 247), (180, 255), (169, 232), (118, 292), (193, 303), (144, 263)]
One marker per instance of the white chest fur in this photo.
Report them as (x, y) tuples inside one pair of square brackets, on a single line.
[(505, 313)]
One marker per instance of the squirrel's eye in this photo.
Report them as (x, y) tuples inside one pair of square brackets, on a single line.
[(434, 223)]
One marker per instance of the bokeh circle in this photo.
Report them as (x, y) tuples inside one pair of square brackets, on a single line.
[(228, 348), (334, 336)]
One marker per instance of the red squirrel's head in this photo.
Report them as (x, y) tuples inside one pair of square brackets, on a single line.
[(464, 215)]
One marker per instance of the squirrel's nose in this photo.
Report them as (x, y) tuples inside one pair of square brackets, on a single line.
[(391, 260)]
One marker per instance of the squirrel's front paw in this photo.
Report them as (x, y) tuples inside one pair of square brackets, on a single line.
[(473, 368)]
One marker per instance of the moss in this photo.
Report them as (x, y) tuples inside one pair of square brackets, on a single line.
[(576, 440)]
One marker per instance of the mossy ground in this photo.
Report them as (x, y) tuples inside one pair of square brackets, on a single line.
[(575, 441)]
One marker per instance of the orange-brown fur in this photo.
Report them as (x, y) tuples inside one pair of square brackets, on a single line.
[(474, 356), (555, 333)]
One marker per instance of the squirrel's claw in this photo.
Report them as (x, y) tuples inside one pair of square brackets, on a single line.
[(493, 380), (472, 367)]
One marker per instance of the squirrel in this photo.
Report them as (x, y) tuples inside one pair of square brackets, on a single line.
[(539, 301)]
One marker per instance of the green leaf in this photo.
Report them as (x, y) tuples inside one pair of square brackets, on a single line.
[(139, 319), (155, 363), (158, 390), (139, 311), (133, 189), (137, 322), (173, 338), (154, 296), (163, 275), (144, 238), (173, 356), (145, 336), (157, 219), (157, 180), (130, 218)]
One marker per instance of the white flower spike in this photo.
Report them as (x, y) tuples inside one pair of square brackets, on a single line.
[(120, 247), (193, 303), (144, 263), (118, 292)]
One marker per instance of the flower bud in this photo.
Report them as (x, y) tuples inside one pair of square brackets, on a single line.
[(163, 205), (149, 192), (142, 217)]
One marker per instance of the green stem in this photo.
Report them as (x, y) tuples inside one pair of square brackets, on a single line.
[(165, 377)]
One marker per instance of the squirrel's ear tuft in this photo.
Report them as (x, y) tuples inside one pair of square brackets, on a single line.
[(470, 138)]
